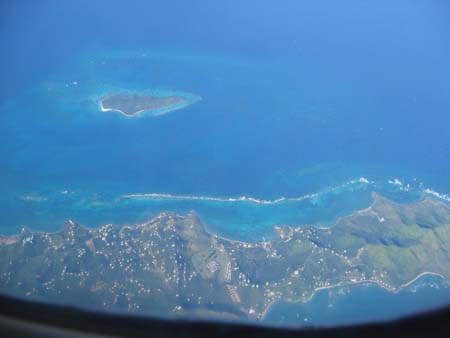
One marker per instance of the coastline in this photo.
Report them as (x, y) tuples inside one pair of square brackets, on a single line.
[(103, 109), (156, 112), (425, 273), (265, 312), (350, 284)]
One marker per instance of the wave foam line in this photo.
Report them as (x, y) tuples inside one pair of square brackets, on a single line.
[(247, 199), (444, 197)]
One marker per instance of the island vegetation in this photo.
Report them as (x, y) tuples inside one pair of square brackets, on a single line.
[(171, 265), (154, 103)]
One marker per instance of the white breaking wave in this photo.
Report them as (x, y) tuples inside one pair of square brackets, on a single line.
[(246, 199), (404, 187), (395, 181), (444, 197), (418, 187)]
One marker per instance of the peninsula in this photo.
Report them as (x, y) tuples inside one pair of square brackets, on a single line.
[(172, 266), (154, 104)]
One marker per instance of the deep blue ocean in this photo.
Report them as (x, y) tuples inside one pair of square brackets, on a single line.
[(318, 102)]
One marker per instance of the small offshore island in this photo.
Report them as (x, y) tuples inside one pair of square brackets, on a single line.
[(155, 103), (171, 265)]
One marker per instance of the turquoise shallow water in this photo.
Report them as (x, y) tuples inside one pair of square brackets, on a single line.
[(65, 158)]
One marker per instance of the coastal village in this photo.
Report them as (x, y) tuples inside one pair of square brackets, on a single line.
[(171, 265)]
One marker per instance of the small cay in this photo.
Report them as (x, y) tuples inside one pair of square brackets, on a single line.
[(154, 103)]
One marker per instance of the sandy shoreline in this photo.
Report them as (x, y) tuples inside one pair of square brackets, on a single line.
[(103, 109), (164, 110)]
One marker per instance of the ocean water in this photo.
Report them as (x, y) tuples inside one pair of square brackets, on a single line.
[(361, 304), (306, 109)]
